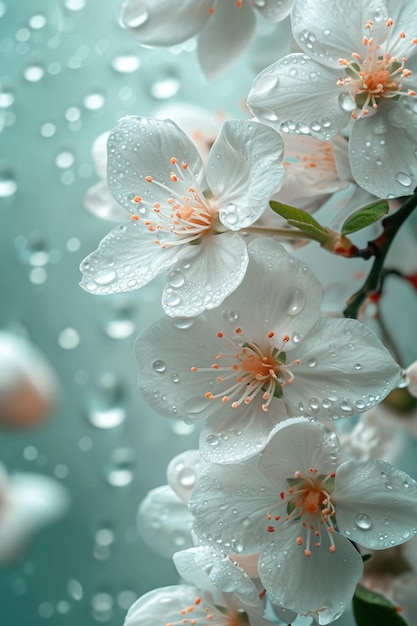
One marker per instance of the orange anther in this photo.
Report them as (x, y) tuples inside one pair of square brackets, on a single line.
[(148, 179), (137, 199), (134, 217)]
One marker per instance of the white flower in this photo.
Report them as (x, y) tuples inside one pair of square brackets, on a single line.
[(224, 29), (355, 67), (201, 601), (231, 366), (183, 219), (28, 502), (299, 506)]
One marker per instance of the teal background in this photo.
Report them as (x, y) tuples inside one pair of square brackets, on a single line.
[(59, 88)]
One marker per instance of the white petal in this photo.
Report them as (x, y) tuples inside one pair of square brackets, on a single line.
[(382, 156), (239, 497), (99, 154), (183, 471), (163, 22), (322, 584), (127, 258), (279, 293), (205, 274), (205, 566), (99, 201), (161, 606), (164, 521), (238, 434), (29, 502), (274, 10), (344, 369), (140, 147), (297, 445), (298, 95), (330, 30), (376, 504), (244, 170), (225, 37)]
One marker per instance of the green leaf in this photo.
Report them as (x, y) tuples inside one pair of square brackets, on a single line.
[(373, 609), (301, 220), (365, 216)]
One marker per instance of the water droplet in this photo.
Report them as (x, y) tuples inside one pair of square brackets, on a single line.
[(74, 589), (120, 468), (186, 477), (105, 277), (360, 405), (346, 102), (230, 316), (297, 300), (363, 521), (357, 366), (105, 406), (8, 185), (137, 16), (212, 440), (33, 73), (386, 522), (314, 404), (388, 486), (231, 219), (403, 178), (68, 339), (159, 366), (311, 363), (293, 72), (346, 406), (64, 159), (176, 279), (172, 299), (126, 64), (183, 323), (296, 337), (94, 101)]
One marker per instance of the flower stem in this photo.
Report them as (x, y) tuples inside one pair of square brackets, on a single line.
[(288, 233), (379, 248)]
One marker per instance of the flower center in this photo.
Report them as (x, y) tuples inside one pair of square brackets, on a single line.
[(378, 74), (250, 369), (198, 614), (308, 501), (186, 212)]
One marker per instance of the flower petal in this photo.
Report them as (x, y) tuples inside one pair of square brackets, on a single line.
[(205, 566), (244, 170), (376, 504), (382, 157), (234, 435), (225, 37), (99, 201), (279, 294), (164, 521), (183, 471), (298, 95), (141, 148), (163, 22), (163, 606), (332, 30), (296, 445), (127, 258), (205, 274), (239, 497), (322, 584), (274, 10), (344, 369)]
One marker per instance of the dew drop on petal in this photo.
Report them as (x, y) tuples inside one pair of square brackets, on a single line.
[(105, 277), (159, 366), (212, 440), (363, 521), (388, 486), (296, 303), (314, 404), (137, 17), (183, 323), (175, 378)]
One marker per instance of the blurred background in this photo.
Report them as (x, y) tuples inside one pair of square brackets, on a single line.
[(68, 72)]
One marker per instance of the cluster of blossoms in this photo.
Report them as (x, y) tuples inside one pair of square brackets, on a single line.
[(275, 512)]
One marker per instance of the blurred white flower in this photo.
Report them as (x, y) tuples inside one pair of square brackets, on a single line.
[(28, 502), (224, 29)]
